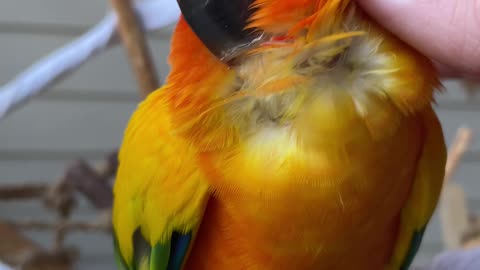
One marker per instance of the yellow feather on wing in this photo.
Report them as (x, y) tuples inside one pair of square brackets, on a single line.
[(424, 194), (159, 188)]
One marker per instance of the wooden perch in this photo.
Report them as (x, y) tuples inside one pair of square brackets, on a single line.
[(471, 237), (454, 214), (91, 183), (136, 46), (79, 178), (101, 224), (457, 150), (22, 192), (18, 251)]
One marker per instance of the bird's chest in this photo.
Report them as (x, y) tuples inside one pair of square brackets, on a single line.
[(295, 199)]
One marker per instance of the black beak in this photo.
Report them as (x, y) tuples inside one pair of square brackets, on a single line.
[(220, 25)]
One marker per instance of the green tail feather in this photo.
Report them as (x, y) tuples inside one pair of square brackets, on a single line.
[(180, 245), (414, 247), (167, 256), (159, 257), (121, 264)]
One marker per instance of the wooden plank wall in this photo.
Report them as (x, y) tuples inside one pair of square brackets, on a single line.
[(84, 115)]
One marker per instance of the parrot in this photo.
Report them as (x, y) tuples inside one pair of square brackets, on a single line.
[(289, 134)]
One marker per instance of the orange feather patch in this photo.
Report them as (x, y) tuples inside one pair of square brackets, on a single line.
[(276, 16)]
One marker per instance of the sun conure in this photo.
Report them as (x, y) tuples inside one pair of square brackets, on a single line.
[(290, 134)]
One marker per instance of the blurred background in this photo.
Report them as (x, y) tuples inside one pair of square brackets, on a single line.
[(84, 116)]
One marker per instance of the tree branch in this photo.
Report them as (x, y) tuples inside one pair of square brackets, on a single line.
[(22, 191), (136, 45)]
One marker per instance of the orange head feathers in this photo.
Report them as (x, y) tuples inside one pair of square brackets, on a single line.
[(302, 48)]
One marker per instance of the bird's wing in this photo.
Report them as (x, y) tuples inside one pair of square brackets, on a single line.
[(424, 194), (159, 195)]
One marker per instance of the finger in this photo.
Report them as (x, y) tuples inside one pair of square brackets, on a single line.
[(447, 31)]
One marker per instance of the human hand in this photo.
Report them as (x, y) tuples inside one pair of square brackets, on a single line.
[(447, 31)]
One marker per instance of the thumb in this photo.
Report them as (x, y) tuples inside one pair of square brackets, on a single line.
[(447, 31)]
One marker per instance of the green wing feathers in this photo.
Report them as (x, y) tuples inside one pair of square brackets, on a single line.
[(160, 195), (163, 256), (414, 246), (424, 195)]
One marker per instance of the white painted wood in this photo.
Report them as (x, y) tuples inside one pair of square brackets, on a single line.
[(57, 126), (108, 72), (58, 12)]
